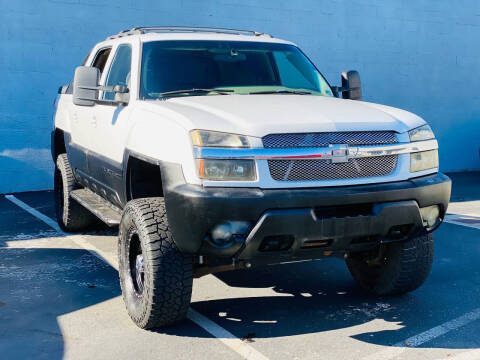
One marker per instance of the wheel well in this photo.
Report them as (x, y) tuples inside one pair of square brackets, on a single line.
[(58, 144), (144, 179)]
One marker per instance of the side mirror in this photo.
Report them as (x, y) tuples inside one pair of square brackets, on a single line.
[(85, 83), (351, 85), (122, 94), (85, 89)]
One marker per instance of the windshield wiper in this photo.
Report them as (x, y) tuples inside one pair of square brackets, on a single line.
[(195, 90), (281, 91)]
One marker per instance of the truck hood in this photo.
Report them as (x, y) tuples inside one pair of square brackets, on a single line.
[(259, 115)]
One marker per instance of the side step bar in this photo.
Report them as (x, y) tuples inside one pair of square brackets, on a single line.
[(100, 207)]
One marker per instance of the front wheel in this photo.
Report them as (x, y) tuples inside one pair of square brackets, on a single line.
[(400, 267), (155, 277)]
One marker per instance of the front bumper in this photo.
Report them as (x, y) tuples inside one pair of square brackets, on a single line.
[(193, 211)]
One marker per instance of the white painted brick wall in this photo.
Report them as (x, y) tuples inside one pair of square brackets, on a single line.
[(422, 56)]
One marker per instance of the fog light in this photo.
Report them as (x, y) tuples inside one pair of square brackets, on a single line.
[(430, 215), (225, 233)]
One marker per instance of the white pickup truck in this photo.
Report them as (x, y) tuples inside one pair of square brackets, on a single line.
[(218, 149)]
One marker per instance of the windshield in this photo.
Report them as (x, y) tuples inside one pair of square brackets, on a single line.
[(242, 67)]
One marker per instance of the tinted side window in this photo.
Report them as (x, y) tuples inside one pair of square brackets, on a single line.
[(120, 70), (101, 59)]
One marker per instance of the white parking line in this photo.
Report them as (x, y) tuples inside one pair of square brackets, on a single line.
[(417, 340), (77, 239), (225, 336), (463, 220), (53, 224), (234, 343), (440, 330)]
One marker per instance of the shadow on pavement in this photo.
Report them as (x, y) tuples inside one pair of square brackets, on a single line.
[(16, 224), (321, 296), (37, 286)]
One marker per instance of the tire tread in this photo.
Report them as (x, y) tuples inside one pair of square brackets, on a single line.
[(72, 216), (408, 266), (168, 297)]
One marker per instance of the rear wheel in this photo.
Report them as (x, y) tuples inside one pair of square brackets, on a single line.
[(71, 216), (155, 277), (399, 268)]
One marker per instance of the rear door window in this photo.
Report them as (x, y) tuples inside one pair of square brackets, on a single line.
[(99, 62), (101, 59)]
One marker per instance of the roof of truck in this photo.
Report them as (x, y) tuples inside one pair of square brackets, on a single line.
[(155, 33)]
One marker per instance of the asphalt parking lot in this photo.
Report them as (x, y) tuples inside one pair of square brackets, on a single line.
[(60, 298)]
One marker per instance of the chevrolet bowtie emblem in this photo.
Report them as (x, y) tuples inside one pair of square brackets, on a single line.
[(339, 153)]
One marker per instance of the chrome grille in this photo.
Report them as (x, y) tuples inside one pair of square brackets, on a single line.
[(324, 139), (301, 170)]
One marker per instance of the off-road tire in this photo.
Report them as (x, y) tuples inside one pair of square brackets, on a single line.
[(404, 267), (167, 272), (71, 216)]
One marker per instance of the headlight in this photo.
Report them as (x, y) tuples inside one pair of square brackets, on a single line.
[(421, 133), (226, 170), (218, 139), (423, 160)]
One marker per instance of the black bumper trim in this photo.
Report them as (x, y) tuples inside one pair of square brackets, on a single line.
[(337, 232), (194, 210)]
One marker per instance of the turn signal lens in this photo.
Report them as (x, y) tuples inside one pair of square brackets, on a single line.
[(421, 133), (218, 139)]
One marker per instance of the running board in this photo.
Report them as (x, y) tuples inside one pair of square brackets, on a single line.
[(100, 207)]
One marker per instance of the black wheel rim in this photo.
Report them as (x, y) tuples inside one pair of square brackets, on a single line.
[(136, 263)]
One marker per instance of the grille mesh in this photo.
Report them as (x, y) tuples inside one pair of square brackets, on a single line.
[(297, 170), (324, 139)]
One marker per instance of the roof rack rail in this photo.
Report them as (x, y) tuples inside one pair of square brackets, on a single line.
[(160, 29)]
